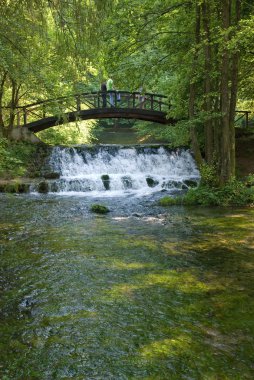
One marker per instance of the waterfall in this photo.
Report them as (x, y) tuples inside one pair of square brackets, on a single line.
[(108, 170)]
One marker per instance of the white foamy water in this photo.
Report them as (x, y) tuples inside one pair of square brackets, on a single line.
[(114, 170)]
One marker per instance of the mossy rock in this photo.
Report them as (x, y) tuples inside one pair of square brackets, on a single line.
[(99, 209), (106, 181), (151, 182), (190, 183), (14, 187), (51, 175), (10, 188), (23, 188), (43, 187)]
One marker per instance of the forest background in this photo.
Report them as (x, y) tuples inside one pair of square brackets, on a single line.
[(200, 53)]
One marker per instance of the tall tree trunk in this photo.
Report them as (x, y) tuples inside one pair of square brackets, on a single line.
[(193, 134), (226, 148), (1, 103), (236, 14), (209, 134), (231, 12), (192, 95), (13, 104)]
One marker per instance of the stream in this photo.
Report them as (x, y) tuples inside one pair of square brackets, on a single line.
[(143, 292), (140, 293)]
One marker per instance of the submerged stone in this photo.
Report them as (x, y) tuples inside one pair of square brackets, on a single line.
[(127, 182)]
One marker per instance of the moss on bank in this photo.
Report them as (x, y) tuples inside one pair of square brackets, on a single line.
[(14, 186)]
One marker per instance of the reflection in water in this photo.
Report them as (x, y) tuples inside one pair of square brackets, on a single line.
[(141, 293)]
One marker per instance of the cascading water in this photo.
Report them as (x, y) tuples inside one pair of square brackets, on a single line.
[(108, 170)]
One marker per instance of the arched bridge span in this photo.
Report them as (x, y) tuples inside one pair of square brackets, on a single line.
[(95, 105)]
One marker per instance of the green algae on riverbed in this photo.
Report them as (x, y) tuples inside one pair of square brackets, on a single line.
[(115, 297)]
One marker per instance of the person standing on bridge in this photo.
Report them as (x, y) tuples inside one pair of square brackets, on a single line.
[(141, 96), (110, 88), (104, 93)]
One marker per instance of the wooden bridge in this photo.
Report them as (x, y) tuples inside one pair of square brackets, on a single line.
[(44, 114), (95, 105)]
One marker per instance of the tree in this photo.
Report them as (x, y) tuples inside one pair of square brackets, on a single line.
[(195, 49), (46, 48), (190, 50)]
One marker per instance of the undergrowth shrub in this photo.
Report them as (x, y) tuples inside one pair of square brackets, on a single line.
[(234, 193), (209, 175), (15, 158)]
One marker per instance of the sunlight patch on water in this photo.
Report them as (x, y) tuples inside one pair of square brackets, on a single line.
[(167, 347)]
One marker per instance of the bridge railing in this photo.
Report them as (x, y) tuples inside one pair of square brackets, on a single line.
[(130, 101), (93, 100)]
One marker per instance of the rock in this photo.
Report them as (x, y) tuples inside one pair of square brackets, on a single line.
[(99, 209), (14, 187), (137, 215), (23, 188), (51, 175), (190, 183), (106, 181), (151, 182), (43, 187), (127, 182)]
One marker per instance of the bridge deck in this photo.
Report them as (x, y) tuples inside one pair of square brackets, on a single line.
[(123, 113)]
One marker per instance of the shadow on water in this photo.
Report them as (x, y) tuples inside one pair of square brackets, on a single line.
[(162, 295)]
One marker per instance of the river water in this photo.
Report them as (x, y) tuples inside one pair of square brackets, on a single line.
[(143, 292)]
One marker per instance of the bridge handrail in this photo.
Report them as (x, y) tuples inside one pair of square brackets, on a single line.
[(86, 94)]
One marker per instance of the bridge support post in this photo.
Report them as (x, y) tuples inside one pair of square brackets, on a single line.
[(78, 101), (247, 119), (23, 134), (24, 116)]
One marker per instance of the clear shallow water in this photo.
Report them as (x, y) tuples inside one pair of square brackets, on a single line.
[(141, 293)]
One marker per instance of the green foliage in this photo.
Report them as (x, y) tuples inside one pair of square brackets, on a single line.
[(68, 134), (15, 158), (209, 174), (175, 135), (234, 193), (68, 47), (249, 180), (169, 201)]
